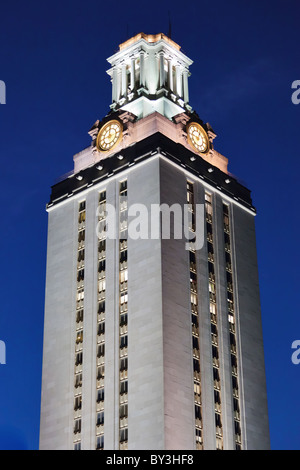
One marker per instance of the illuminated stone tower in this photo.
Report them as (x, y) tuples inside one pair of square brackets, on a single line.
[(148, 344)]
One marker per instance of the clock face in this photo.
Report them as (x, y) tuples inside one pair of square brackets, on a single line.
[(109, 135), (197, 137)]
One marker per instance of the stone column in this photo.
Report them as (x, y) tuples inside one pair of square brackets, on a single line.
[(118, 83), (161, 70), (132, 74), (178, 81), (114, 84), (170, 75), (185, 86), (142, 68), (124, 80)]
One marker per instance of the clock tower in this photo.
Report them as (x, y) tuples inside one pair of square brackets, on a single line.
[(151, 342)]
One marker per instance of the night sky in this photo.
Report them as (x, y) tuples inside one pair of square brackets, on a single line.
[(53, 62)]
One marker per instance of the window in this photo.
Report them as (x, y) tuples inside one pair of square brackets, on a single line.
[(196, 365), (216, 375), (123, 256), (100, 418), (123, 387), (79, 316), (78, 380), (197, 412), (211, 268), (100, 442), (81, 236), (101, 307), (123, 298), (123, 320), (236, 405), (77, 403), (100, 395), (102, 246), (100, 372), (77, 426), (210, 248), (233, 360), (194, 298), (195, 321), (82, 206), (123, 364), (101, 285), (79, 337), (217, 396), (237, 428), (195, 342), (101, 266), (123, 187), (123, 341), (211, 287), (81, 217), (123, 411), (235, 384), (214, 329), (212, 308), (123, 434), (101, 328), (79, 357), (215, 352), (80, 294), (80, 256), (101, 350), (218, 420), (124, 275), (102, 196), (208, 197)]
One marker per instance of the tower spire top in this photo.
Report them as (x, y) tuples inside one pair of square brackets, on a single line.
[(150, 73), (150, 38)]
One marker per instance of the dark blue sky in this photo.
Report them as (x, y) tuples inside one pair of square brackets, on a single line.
[(53, 61)]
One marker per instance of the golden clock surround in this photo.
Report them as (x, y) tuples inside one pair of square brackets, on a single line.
[(113, 124), (203, 134)]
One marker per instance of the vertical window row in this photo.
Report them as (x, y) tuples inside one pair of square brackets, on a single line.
[(79, 327), (123, 317), (195, 320), (232, 328), (213, 320), (100, 360)]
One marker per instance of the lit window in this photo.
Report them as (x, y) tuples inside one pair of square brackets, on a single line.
[(100, 442)]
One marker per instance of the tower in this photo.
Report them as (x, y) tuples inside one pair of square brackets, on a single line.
[(152, 340)]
